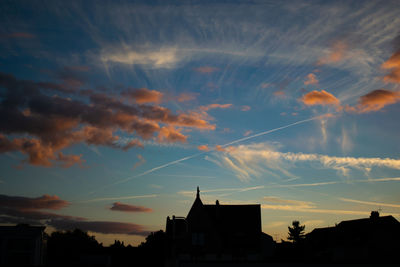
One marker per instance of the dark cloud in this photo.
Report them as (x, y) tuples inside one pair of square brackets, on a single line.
[(50, 123), (17, 209), (43, 202), (118, 206), (103, 227)]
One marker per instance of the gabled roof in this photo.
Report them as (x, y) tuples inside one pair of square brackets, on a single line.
[(235, 218)]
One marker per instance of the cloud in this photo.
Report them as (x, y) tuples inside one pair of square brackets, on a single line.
[(120, 198), (140, 162), (375, 101), (203, 148), (334, 54), (311, 79), (50, 124), (158, 58), (144, 95), (247, 133), (256, 159), (245, 108), (103, 227), (19, 35), (214, 106), (16, 209), (370, 203), (392, 64), (206, 69), (279, 93), (319, 98), (183, 97), (313, 210), (290, 202), (43, 202), (219, 148), (118, 206), (170, 134)]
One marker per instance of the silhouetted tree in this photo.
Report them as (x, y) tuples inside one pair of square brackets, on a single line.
[(70, 245), (154, 248), (296, 232)]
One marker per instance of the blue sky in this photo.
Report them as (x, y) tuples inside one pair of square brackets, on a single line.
[(112, 112)]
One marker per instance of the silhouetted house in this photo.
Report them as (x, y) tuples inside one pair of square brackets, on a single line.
[(362, 240), (21, 245), (217, 233)]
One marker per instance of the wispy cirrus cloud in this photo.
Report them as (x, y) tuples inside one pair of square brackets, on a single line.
[(254, 159), (370, 203), (334, 54), (166, 57)]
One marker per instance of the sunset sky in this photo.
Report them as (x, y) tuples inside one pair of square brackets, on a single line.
[(113, 112)]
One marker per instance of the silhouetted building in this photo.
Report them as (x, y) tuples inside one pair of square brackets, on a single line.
[(21, 245), (362, 240), (217, 233)]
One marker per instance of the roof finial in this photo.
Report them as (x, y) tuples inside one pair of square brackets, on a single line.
[(198, 192)]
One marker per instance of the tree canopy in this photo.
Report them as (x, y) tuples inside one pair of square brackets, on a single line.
[(296, 232)]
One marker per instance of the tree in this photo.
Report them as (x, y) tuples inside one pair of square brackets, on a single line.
[(296, 232)]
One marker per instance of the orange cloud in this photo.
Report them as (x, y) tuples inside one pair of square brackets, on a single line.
[(392, 64), (49, 124), (203, 148), (219, 148), (206, 69), (374, 101), (170, 134), (213, 106), (144, 95), (311, 79), (118, 206), (319, 98), (336, 53)]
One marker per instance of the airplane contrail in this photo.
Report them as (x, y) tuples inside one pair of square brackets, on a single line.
[(227, 144)]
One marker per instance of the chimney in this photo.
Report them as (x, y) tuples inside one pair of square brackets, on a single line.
[(374, 215)]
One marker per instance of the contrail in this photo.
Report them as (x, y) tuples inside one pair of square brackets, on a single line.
[(227, 144)]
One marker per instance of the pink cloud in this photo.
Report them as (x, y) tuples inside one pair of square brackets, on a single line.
[(206, 69), (311, 79), (245, 108)]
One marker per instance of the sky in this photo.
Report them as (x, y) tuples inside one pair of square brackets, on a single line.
[(113, 112)]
